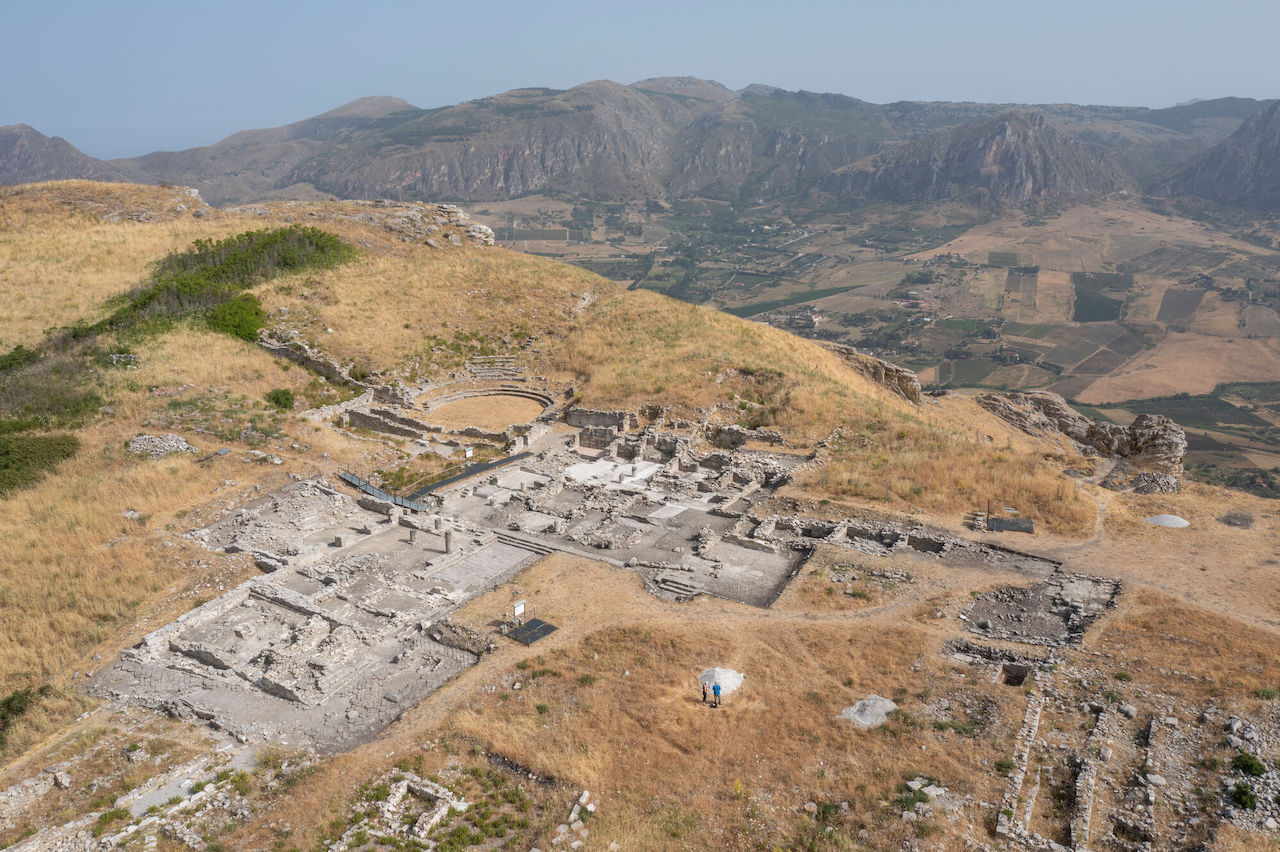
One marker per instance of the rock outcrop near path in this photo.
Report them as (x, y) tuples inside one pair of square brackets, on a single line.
[(899, 380), (1152, 442)]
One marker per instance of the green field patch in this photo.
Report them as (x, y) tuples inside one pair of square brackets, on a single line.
[(1104, 332), (1007, 259), (1127, 344), (966, 325), (1034, 332), (1201, 411), (1252, 391), (1020, 279), (755, 279), (1069, 354), (1100, 363), (907, 236), (1092, 306), (1178, 306), (1091, 412), (1254, 480), (787, 301), (1102, 280), (972, 371), (1203, 442), (1072, 386)]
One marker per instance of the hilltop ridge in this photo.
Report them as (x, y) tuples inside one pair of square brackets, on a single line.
[(282, 655)]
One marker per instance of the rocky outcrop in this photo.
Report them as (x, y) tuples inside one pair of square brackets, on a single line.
[(899, 380), (1152, 441), (1243, 170), (436, 225)]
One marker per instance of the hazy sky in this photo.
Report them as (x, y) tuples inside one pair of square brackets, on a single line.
[(124, 78)]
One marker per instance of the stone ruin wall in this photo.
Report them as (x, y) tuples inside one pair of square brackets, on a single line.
[(619, 420)]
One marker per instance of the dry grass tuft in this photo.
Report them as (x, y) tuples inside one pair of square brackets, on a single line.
[(950, 460), (1155, 633)]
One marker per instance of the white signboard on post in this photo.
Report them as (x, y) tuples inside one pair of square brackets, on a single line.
[(518, 609)]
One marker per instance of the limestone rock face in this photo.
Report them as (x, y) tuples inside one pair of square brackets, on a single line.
[(1152, 441), (1156, 441), (1013, 158), (900, 380)]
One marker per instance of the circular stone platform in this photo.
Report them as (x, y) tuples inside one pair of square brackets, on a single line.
[(491, 412)]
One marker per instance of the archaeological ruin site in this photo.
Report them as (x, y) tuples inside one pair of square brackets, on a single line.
[(348, 625)]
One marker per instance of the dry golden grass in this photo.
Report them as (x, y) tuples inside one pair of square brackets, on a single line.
[(389, 309), (830, 571), (622, 717), (948, 460), (59, 259), (639, 347), (74, 572), (1097, 235), (1227, 569), (1228, 838), (1218, 317), (1155, 634), (1054, 297)]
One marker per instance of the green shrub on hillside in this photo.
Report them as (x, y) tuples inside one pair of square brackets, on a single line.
[(240, 317), (1249, 765), (15, 705), (25, 458), (18, 356), (210, 275), (281, 398), (56, 390)]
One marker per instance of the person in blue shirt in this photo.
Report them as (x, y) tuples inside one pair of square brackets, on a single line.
[(715, 690)]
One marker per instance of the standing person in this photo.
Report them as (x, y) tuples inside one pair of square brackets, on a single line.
[(715, 690), (704, 693)]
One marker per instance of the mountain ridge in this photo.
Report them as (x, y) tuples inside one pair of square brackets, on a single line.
[(27, 155), (664, 137), (1014, 158)]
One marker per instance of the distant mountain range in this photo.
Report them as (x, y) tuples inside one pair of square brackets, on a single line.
[(676, 137), (28, 156)]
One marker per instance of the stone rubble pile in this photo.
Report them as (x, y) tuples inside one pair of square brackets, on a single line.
[(159, 446)]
